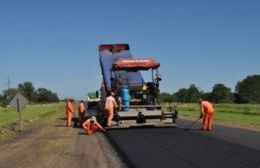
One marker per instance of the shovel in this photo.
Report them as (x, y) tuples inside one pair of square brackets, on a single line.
[(190, 126)]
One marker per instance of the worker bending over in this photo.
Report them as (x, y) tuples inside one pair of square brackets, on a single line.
[(69, 111), (81, 111), (91, 125), (206, 110), (109, 108)]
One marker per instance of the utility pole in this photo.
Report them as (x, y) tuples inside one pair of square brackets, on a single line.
[(8, 83)]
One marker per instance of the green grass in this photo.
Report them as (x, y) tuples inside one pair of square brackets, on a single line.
[(35, 114), (244, 114)]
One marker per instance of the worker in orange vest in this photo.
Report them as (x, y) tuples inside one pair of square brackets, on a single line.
[(69, 111), (81, 112), (91, 125), (206, 111), (110, 106)]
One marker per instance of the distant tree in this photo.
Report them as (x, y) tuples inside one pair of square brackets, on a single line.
[(248, 90), (206, 96), (3, 101), (8, 94), (193, 94), (166, 97), (53, 97), (174, 98), (221, 94), (46, 96), (92, 95), (41, 95), (28, 90), (181, 95)]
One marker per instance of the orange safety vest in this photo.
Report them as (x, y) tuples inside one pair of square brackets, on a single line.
[(207, 107), (81, 108), (110, 103), (91, 127), (69, 107)]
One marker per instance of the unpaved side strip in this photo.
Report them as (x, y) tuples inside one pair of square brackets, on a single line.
[(60, 147)]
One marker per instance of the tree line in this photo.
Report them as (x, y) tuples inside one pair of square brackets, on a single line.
[(40, 95), (246, 91)]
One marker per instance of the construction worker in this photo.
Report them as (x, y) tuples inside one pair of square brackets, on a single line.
[(69, 111), (81, 112), (91, 125), (206, 111), (109, 108)]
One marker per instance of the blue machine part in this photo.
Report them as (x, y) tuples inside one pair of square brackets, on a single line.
[(124, 93)]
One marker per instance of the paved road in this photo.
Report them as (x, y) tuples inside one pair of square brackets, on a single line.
[(225, 147)]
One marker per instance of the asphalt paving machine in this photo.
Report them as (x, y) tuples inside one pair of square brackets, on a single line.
[(137, 99)]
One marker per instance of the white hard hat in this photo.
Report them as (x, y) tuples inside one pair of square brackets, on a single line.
[(93, 118)]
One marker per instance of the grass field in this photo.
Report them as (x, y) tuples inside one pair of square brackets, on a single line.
[(243, 114), (33, 114)]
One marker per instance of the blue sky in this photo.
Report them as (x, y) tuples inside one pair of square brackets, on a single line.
[(54, 43)]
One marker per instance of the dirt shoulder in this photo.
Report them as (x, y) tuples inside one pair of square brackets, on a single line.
[(54, 145)]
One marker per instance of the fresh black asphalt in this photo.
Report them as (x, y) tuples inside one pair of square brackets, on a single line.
[(224, 147)]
